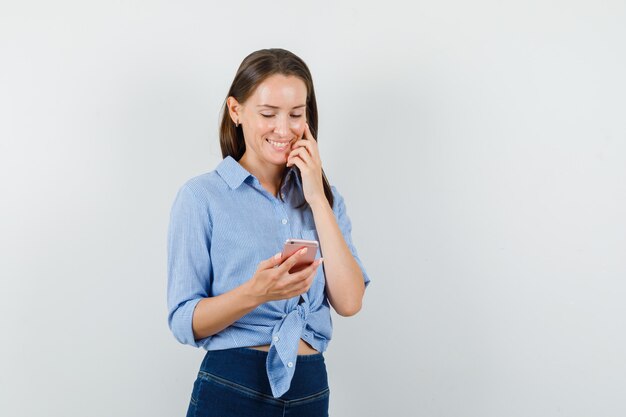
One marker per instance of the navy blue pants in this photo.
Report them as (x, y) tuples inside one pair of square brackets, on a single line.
[(233, 382)]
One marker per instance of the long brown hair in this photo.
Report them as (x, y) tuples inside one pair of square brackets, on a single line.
[(254, 69)]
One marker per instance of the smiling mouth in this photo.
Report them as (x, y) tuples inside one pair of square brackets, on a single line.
[(278, 145)]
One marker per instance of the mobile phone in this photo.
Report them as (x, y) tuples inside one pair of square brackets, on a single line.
[(294, 245)]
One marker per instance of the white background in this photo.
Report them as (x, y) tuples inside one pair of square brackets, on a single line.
[(480, 146)]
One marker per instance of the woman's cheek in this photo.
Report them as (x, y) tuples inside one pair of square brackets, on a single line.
[(300, 128), (262, 123)]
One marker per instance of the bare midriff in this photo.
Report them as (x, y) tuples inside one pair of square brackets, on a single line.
[(303, 348)]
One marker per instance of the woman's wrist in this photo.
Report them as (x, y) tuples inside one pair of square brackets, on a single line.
[(248, 297), (320, 204)]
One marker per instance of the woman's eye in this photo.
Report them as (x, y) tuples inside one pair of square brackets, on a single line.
[(295, 116)]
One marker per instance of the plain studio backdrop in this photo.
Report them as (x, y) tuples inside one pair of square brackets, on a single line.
[(480, 146)]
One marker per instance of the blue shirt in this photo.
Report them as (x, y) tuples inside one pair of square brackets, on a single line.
[(222, 224)]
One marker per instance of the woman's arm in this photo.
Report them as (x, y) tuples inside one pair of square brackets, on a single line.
[(214, 314), (344, 280)]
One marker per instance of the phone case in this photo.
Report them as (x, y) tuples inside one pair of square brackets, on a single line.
[(293, 245)]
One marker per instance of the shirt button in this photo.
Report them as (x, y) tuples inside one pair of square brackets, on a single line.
[(290, 364), (284, 221), (276, 339)]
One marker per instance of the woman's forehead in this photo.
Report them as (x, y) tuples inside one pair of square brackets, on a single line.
[(279, 91)]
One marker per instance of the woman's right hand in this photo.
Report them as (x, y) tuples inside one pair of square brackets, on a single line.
[(272, 280)]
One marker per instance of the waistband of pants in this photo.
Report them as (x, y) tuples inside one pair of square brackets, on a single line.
[(247, 367), (263, 354)]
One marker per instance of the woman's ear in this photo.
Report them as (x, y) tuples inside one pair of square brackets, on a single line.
[(234, 109)]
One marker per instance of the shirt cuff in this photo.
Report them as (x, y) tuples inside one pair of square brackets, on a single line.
[(181, 323)]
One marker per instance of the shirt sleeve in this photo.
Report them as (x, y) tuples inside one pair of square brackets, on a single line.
[(345, 225), (189, 270)]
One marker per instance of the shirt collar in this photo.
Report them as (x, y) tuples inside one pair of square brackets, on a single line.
[(234, 174), (291, 172)]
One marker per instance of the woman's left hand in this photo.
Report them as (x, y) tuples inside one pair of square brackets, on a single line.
[(305, 155)]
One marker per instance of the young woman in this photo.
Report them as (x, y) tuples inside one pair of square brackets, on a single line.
[(264, 329)]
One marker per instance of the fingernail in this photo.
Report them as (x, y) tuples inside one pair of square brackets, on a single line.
[(319, 261), (303, 251), (277, 255)]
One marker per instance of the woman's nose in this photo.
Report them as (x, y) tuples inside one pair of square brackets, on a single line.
[(282, 126)]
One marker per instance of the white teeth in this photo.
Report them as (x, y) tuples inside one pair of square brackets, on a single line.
[(277, 144)]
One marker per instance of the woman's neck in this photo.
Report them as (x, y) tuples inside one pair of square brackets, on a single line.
[(269, 175)]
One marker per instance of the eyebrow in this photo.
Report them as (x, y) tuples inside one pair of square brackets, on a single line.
[(276, 107)]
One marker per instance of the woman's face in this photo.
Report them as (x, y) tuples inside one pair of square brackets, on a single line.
[(272, 118)]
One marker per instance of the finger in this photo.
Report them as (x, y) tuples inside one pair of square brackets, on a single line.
[(271, 262), (312, 269), (303, 154), (309, 145), (302, 148), (306, 283), (295, 292), (306, 156), (291, 261), (307, 132), (308, 272), (297, 161)]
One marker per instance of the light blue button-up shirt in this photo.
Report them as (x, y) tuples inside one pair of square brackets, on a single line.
[(222, 224)]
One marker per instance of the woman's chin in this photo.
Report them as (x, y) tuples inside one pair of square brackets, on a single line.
[(277, 159)]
